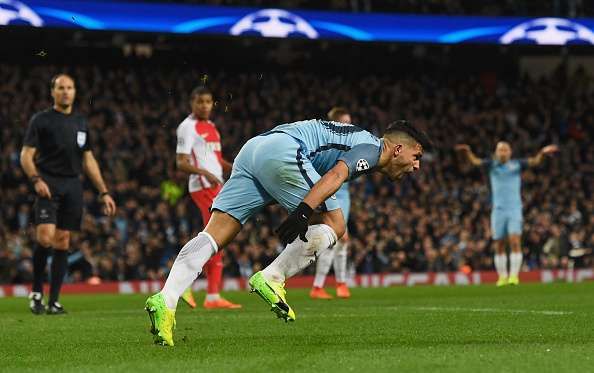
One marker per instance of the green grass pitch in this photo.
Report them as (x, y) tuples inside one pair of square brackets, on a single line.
[(529, 328)]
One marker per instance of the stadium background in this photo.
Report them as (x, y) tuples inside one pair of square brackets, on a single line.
[(134, 88)]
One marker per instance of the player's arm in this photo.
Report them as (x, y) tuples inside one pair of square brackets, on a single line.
[(30, 145), (183, 163), (327, 186), (539, 157), (359, 160), (465, 150), (28, 165), (297, 222), (91, 169)]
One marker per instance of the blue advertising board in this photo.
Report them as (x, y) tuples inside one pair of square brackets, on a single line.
[(278, 23)]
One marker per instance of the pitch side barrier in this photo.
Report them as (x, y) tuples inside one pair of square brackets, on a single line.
[(363, 281)]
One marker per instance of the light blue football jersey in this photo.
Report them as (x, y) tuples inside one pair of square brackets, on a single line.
[(324, 143), (506, 182)]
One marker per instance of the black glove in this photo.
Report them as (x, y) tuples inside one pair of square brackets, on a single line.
[(295, 225)]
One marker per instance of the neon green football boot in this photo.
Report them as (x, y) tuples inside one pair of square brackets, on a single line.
[(274, 294), (514, 280), (162, 320), (502, 281)]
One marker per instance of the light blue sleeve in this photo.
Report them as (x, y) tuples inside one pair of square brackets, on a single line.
[(487, 163), (361, 159), (523, 163)]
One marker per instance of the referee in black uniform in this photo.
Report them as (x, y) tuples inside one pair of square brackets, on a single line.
[(55, 151)]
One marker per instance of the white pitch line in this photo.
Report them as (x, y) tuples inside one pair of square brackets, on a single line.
[(484, 310)]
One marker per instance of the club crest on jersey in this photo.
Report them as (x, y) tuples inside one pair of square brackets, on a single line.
[(362, 165), (81, 138)]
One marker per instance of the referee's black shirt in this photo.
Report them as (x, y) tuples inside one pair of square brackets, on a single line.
[(60, 140)]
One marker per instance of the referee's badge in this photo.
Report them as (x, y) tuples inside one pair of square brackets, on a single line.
[(81, 138)]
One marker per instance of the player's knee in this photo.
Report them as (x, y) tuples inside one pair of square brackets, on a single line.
[(45, 237), (61, 240), (44, 240), (500, 246), (334, 220), (339, 228), (514, 243)]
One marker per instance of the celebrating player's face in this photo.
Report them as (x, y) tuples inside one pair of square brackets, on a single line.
[(503, 151), (202, 106), (63, 91), (406, 159)]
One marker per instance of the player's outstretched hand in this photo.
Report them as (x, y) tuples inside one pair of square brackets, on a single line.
[(462, 148), (109, 206), (295, 225), (550, 149)]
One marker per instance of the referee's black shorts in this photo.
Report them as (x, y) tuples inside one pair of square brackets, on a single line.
[(65, 207)]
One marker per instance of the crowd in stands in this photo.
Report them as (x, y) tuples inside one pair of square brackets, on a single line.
[(437, 220)]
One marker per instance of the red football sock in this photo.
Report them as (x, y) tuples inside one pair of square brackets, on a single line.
[(214, 273)]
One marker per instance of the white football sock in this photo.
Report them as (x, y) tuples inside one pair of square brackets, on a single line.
[(213, 297), (187, 267), (501, 264), (298, 254), (340, 261), (515, 263), (323, 266)]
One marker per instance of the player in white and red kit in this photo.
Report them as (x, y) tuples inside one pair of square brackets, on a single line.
[(199, 154)]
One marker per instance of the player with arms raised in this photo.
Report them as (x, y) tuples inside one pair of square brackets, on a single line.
[(300, 165), (199, 154), (505, 175)]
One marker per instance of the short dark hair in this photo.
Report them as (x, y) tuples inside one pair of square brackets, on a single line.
[(336, 112), (55, 77), (405, 127), (199, 91)]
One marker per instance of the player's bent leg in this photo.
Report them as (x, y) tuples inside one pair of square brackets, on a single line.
[(187, 266), (333, 219), (222, 227), (213, 268), (269, 283), (515, 258)]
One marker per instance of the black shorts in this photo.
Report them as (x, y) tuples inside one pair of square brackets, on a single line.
[(65, 207)]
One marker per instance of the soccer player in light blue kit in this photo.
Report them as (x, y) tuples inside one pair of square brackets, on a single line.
[(301, 166), (337, 255), (505, 175)]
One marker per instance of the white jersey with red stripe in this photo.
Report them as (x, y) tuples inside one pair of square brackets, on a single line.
[(202, 141)]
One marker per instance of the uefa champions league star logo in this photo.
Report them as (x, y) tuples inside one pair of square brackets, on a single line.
[(548, 31), (274, 23), (362, 165), (13, 12)]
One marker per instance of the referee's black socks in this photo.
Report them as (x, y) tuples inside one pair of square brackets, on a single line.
[(40, 255), (58, 270)]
